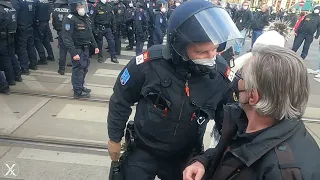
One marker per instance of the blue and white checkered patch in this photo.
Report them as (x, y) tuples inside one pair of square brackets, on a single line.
[(67, 27)]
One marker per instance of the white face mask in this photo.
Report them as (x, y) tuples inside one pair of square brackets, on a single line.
[(177, 4), (205, 62), (81, 12), (103, 1), (245, 7), (316, 11), (163, 10), (130, 5)]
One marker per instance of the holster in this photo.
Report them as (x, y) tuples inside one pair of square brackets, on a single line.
[(116, 172)]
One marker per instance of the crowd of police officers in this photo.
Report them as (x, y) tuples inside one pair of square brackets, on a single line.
[(25, 31)]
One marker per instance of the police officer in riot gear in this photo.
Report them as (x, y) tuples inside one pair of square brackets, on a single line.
[(9, 62), (42, 32), (61, 10), (150, 9), (160, 22), (103, 26), (26, 51), (178, 87), (141, 20), (119, 10), (129, 21), (77, 37)]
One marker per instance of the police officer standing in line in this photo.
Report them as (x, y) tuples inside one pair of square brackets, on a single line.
[(178, 87), (306, 30), (42, 32), (129, 21), (150, 9), (9, 64), (141, 20), (26, 51), (103, 23), (160, 22), (118, 9), (77, 37), (61, 10)]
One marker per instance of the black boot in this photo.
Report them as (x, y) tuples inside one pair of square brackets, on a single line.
[(114, 59), (5, 89), (61, 71), (25, 71), (86, 90), (100, 59), (129, 48), (50, 58), (33, 67), (78, 95), (69, 64), (18, 78), (11, 83), (42, 62)]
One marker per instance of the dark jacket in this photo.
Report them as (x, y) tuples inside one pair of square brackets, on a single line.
[(310, 24), (243, 19), (256, 151), (260, 20), (292, 18), (166, 115)]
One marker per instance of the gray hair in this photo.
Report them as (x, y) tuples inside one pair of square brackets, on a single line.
[(281, 80)]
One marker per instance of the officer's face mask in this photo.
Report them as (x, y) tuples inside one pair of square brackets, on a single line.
[(130, 5), (103, 1), (205, 62), (81, 11), (177, 4), (163, 9), (244, 7), (316, 11)]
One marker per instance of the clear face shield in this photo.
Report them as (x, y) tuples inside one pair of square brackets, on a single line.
[(198, 38), (82, 6)]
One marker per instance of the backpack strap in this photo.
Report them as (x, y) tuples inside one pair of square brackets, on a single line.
[(287, 164)]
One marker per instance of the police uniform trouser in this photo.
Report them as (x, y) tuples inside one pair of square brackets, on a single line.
[(142, 165), (62, 52), (25, 47), (130, 35), (107, 33), (157, 37), (140, 42), (298, 40), (80, 69), (150, 38), (42, 39), (5, 60), (12, 55), (3, 81), (117, 41)]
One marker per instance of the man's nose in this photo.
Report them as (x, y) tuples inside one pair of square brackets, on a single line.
[(212, 54)]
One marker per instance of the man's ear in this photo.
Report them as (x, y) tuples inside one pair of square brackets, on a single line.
[(254, 97)]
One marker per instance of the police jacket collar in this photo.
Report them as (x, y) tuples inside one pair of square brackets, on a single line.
[(267, 140)]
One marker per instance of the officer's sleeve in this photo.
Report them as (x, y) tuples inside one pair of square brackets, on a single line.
[(16, 5), (93, 41), (93, 13), (137, 21), (66, 32), (219, 114), (126, 92), (113, 21)]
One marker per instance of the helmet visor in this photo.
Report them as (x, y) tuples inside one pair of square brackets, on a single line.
[(212, 25)]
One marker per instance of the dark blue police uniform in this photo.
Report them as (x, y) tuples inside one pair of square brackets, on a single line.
[(141, 20), (160, 26)]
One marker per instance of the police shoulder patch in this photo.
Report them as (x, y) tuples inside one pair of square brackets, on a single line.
[(70, 16), (67, 27), (91, 11), (144, 57), (125, 77)]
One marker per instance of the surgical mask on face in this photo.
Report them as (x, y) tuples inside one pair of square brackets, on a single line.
[(81, 11), (103, 1), (205, 62), (245, 7), (130, 5), (163, 10), (177, 4), (316, 11)]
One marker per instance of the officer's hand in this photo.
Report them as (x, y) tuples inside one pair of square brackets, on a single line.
[(114, 149), (194, 172), (96, 51), (76, 57)]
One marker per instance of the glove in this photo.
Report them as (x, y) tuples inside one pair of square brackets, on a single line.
[(114, 149)]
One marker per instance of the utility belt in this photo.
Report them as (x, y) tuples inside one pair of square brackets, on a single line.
[(103, 27), (116, 172), (83, 47)]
